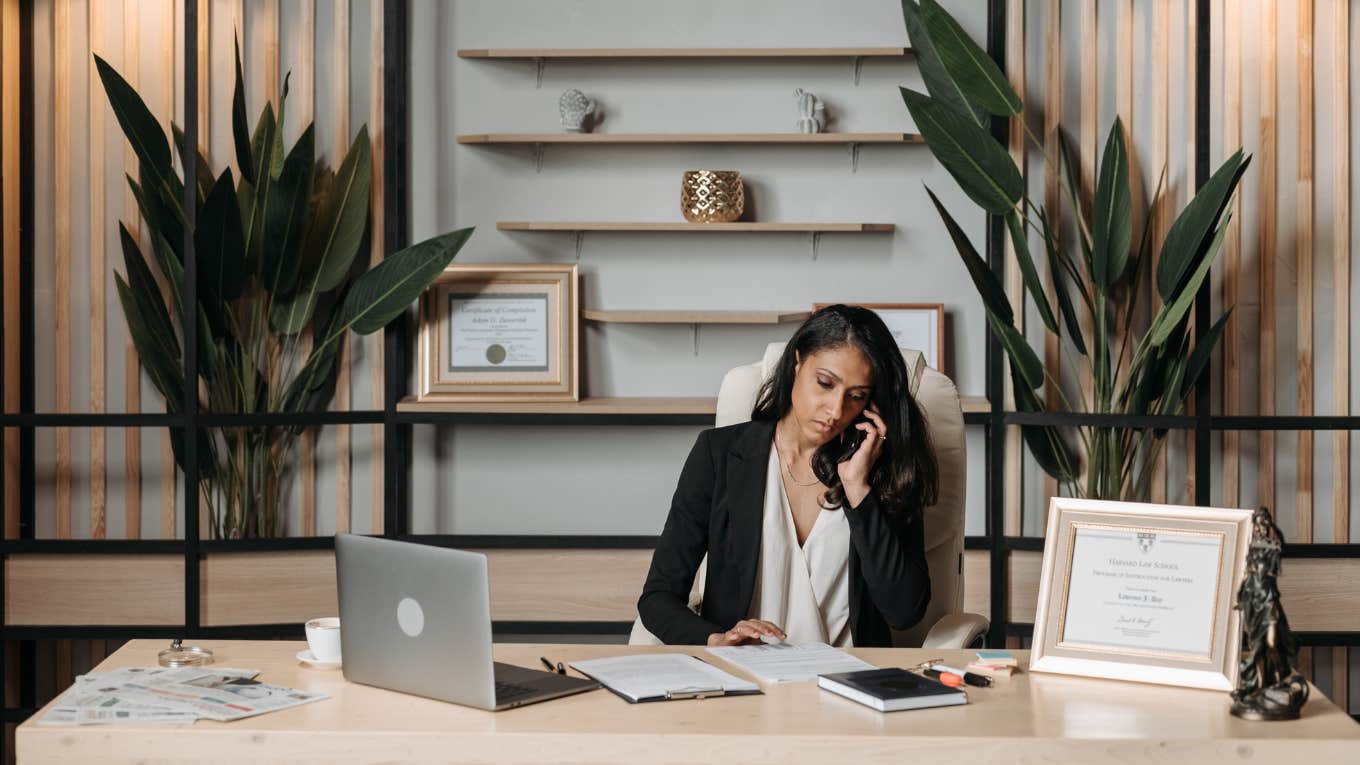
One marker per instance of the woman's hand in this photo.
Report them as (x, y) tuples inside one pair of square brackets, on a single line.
[(746, 631), (854, 472)]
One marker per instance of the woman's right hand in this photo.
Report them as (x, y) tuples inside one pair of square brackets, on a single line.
[(746, 631)]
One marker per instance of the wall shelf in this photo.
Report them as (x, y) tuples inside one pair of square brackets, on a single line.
[(534, 54), (708, 228), (603, 407), (694, 317), (483, 139)]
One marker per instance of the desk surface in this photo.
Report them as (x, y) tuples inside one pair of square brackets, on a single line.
[(1045, 716)]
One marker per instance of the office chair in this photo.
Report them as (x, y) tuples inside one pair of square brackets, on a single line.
[(944, 625)]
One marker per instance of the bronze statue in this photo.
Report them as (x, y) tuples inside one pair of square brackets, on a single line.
[(1268, 686)]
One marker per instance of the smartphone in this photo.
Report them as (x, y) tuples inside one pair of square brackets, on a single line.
[(851, 438)]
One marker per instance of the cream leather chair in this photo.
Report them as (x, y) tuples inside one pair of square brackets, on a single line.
[(944, 624)]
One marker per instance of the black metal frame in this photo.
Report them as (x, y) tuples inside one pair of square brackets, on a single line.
[(397, 426)]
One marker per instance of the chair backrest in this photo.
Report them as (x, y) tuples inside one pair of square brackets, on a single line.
[(939, 401)]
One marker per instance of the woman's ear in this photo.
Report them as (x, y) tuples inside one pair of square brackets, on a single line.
[(797, 362)]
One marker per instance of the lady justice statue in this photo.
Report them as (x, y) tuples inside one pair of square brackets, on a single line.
[(1268, 687)]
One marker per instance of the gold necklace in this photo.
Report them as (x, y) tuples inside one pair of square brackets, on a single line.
[(788, 467)]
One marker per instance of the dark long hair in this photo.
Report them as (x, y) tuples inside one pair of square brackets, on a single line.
[(906, 476)]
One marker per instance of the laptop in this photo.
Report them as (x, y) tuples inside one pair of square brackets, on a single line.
[(417, 619)]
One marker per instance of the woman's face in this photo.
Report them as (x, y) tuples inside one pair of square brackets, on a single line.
[(830, 389)]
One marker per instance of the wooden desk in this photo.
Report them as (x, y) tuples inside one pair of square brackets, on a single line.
[(1039, 717)]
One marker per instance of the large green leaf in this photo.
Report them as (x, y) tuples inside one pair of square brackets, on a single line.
[(286, 218), (1016, 226), (1069, 311), (938, 82), (380, 295), (988, 286), (1113, 212), (157, 213), (142, 129), (154, 358), (1022, 356), (203, 172), (159, 331), (1073, 184), (980, 165), (219, 244), (276, 154), (1190, 233), (1054, 455), (1172, 312), (976, 73), (261, 147), (240, 131), (1204, 349), (342, 215)]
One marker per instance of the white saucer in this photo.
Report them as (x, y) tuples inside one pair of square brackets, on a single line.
[(305, 656)]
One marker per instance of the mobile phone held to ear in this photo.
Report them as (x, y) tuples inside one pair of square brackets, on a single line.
[(851, 438)]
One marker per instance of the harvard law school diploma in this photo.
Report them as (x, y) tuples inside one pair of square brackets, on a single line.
[(1149, 591)]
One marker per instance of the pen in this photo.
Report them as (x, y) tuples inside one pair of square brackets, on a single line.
[(971, 678), (559, 669)]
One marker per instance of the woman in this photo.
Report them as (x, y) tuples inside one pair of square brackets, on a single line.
[(810, 514)]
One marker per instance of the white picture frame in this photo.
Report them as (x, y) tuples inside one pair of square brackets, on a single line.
[(1141, 592)]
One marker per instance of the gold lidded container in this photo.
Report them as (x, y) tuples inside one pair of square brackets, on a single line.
[(712, 196)]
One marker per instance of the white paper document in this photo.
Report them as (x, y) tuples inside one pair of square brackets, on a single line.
[(659, 676), (1142, 590), (790, 662)]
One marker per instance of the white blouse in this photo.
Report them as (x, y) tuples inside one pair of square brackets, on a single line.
[(805, 590)]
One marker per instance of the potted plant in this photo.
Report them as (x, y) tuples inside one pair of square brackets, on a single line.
[(1100, 274), (278, 290)]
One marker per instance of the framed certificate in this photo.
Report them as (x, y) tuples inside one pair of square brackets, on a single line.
[(1141, 592), (500, 332), (918, 326)]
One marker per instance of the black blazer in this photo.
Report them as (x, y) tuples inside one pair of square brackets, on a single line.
[(718, 508)]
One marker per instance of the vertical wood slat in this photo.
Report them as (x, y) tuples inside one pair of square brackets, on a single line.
[(98, 351), (269, 54), (9, 198), (1161, 138), (1086, 150), (61, 238), (166, 40), (1123, 100), (1341, 290), (306, 106), (1015, 288), (132, 375), (1052, 200), (1303, 247), (376, 101), (204, 36), (1192, 33), (340, 46), (1266, 258), (1232, 253)]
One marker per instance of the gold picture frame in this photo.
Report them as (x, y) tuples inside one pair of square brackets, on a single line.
[(500, 332), (1141, 592), (903, 320)]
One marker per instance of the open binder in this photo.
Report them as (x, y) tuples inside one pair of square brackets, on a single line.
[(663, 677)]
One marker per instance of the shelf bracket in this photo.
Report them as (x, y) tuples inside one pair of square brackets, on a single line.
[(856, 66), (694, 328), (538, 157), (816, 243), (539, 65), (580, 237), (854, 157)]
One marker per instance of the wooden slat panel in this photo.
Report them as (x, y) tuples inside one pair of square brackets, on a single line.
[(1052, 201), (305, 106), (377, 236), (1015, 288), (96, 109), (1086, 151), (53, 589), (1023, 598), (61, 237), (1232, 255), (341, 104), (526, 585), (1303, 249), (1161, 139), (1123, 100), (170, 13), (132, 375), (1191, 33), (1269, 188), (1341, 266), (269, 50), (977, 582), (9, 197)]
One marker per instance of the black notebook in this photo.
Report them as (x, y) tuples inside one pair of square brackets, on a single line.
[(890, 690)]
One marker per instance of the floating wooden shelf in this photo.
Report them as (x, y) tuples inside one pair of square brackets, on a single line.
[(695, 317), (975, 404), (684, 138), (601, 405), (641, 226), (589, 53)]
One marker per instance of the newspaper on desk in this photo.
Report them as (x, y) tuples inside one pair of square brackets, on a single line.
[(146, 695)]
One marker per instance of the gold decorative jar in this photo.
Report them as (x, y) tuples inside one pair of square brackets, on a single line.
[(712, 196)]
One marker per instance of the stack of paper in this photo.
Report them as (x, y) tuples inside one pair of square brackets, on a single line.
[(161, 695), (790, 662), (662, 677)]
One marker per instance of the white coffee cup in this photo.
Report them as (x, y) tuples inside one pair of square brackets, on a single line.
[(323, 638)]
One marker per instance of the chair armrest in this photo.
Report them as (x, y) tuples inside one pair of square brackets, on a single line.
[(956, 631)]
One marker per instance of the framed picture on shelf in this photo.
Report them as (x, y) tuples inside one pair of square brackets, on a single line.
[(919, 326), (1141, 592), (500, 332)]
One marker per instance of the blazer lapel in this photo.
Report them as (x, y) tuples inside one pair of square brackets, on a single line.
[(748, 461)]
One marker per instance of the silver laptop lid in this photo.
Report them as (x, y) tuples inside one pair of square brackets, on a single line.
[(416, 619)]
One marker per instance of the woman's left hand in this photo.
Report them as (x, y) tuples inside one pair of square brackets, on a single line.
[(854, 472)]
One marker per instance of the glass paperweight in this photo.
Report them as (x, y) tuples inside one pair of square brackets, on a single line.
[(180, 655)]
